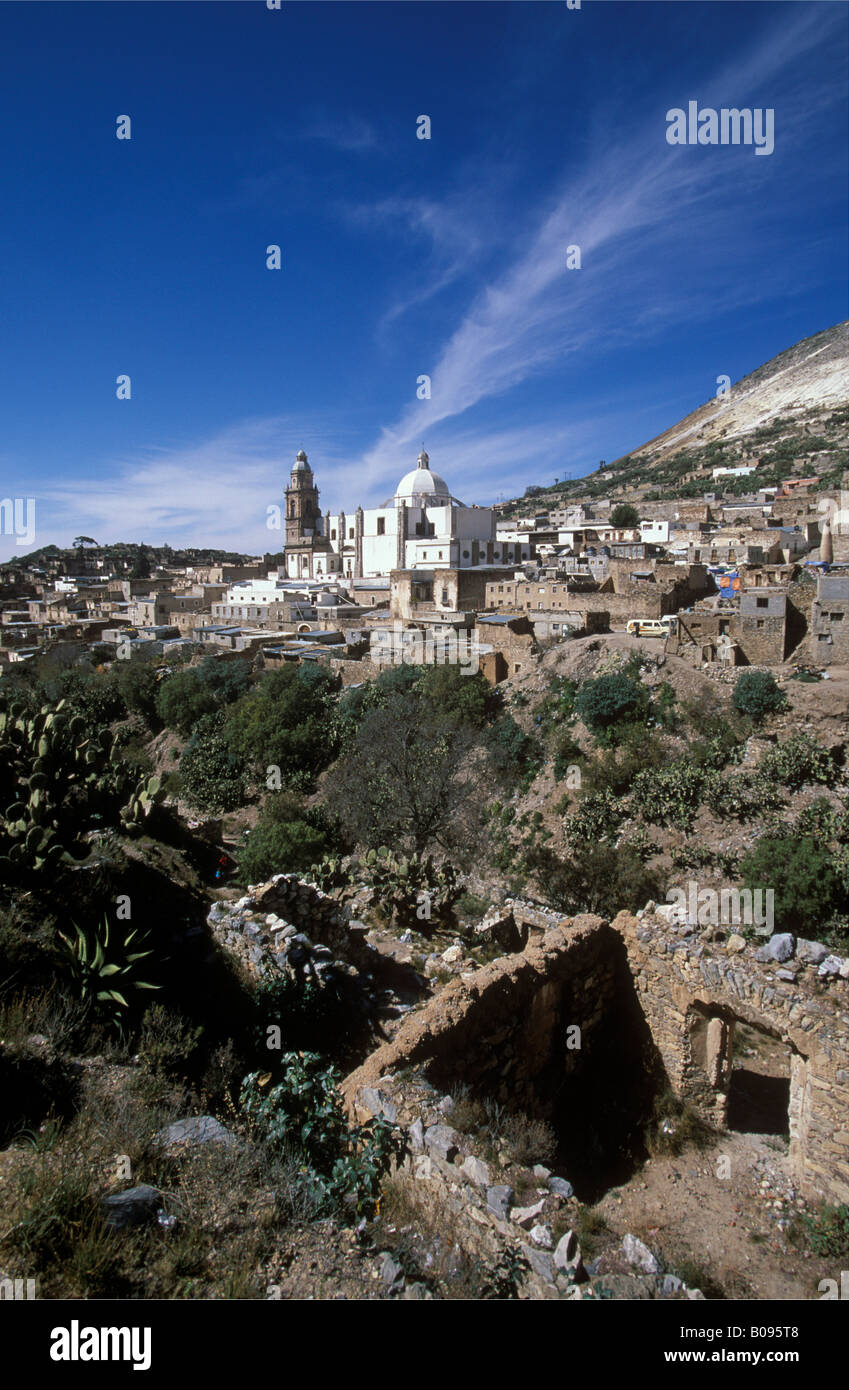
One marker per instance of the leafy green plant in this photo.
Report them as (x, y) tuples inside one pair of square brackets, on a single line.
[(756, 694), (827, 1232), (97, 965), (401, 884), (800, 760), (343, 1167), (608, 701)]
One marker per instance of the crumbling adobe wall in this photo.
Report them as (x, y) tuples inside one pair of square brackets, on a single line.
[(692, 991), (501, 1029)]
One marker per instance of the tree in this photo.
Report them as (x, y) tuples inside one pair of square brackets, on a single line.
[(403, 783), (801, 873), (285, 722), (757, 695), (141, 565), (624, 516), (211, 778)]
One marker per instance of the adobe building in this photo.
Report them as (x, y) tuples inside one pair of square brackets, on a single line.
[(761, 626), (829, 643)]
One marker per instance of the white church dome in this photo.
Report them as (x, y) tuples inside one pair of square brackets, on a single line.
[(421, 487)]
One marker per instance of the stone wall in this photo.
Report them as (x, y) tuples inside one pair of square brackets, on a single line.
[(503, 1030), (665, 996), (692, 992)]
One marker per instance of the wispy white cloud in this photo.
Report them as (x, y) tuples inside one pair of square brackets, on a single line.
[(633, 202)]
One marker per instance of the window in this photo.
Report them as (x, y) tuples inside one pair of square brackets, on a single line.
[(445, 596), (333, 534), (440, 554), (760, 622), (836, 617), (465, 554), (762, 602), (350, 533), (381, 525)]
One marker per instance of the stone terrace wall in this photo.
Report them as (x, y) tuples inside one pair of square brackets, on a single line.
[(691, 993), (499, 1029)]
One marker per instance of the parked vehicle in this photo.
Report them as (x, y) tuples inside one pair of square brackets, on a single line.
[(647, 627)]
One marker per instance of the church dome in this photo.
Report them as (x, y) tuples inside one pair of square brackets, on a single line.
[(300, 464), (422, 488)]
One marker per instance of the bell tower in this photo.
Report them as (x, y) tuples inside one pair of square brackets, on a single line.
[(303, 514)]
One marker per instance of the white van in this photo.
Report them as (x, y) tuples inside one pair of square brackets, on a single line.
[(648, 627)]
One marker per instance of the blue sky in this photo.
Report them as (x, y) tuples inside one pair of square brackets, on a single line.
[(400, 256)]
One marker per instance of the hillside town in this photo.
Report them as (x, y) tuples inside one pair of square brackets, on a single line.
[(758, 578)]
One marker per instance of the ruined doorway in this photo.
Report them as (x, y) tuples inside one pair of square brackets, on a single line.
[(759, 1087)]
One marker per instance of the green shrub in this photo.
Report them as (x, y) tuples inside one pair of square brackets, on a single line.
[(343, 1167), (597, 817), (609, 700), (798, 761), (801, 873), (672, 793), (827, 1232), (311, 1017), (168, 1043), (211, 778), (287, 838), (756, 694)]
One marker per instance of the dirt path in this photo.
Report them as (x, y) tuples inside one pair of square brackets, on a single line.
[(719, 1218)]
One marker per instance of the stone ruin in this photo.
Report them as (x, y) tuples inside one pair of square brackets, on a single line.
[(656, 1004), (581, 1020)]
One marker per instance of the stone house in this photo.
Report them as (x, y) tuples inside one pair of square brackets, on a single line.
[(829, 644)]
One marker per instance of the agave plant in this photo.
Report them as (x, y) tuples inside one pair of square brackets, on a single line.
[(98, 965)]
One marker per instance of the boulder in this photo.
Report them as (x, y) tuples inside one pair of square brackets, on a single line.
[(561, 1186), (442, 1141), (476, 1171), (567, 1257), (810, 952), (499, 1199), (377, 1104), (526, 1216), (540, 1262), (780, 948), (636, 1253), (197, 1129), (133, 1207), (830, 966), (542, 1235)]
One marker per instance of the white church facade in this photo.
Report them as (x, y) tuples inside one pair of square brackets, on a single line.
[(421, 526)]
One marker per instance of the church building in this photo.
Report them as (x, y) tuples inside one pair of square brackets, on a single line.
[(421, 526)]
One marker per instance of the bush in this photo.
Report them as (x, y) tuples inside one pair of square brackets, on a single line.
[(287, 838), (828, 1232), (672, 793), (211, 778), (757, 695), (303, 1112), (801, 874), (602, 879), (311, 1017), (798, 761), (609, 700), (624, 516), (286, 722)]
